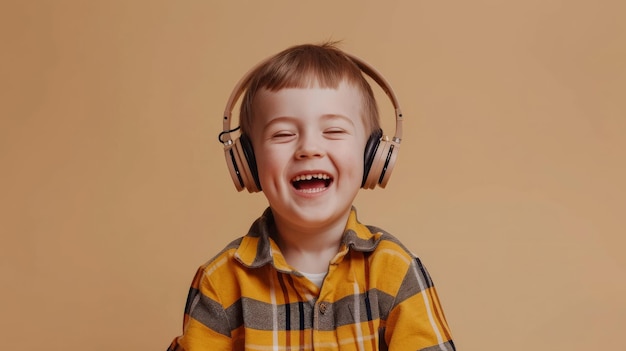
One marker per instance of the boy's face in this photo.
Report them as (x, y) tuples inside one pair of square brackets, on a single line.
[(309, 145)]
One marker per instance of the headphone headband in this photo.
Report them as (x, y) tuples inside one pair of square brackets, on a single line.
[(366, 68)]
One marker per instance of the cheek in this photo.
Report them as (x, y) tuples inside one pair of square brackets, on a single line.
[(270, 162), (352, 159), (264, 164)]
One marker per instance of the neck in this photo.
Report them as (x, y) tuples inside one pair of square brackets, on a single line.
[(310, 248)]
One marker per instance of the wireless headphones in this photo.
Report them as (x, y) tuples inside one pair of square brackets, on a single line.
[(379, 156)]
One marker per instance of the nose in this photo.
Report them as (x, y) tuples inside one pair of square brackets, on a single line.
[(309, 146)]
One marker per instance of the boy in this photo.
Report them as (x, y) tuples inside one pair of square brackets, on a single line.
[(308, 275)]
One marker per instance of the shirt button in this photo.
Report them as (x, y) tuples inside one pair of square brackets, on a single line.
[(323, 307)]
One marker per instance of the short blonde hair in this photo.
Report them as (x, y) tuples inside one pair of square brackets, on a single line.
[(303, 66)]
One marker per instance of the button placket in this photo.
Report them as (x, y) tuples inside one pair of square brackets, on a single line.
[(323, 307), (324, 317)]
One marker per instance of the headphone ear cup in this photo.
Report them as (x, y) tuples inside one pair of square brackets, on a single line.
[(234, 165), (370, 152), (241, 169), (250, 158), (383, 162)]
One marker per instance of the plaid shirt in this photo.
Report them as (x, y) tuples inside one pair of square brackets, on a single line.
[(376, 296)]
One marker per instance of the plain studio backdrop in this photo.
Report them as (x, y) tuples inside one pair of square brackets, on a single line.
[(509, 183)]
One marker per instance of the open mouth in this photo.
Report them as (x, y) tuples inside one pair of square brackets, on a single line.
[(311, 183)]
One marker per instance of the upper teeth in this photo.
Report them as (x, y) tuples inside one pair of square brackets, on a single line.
[(310, 176)]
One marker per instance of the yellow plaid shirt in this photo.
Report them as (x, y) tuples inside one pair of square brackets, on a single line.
[(376, 296)]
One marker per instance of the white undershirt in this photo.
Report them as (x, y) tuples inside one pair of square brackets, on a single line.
[(316, 278)]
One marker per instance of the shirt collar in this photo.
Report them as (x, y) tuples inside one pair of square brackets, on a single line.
[(258, 248)]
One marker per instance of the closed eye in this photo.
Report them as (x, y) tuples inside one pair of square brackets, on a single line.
[(335, 132), (282, 136)]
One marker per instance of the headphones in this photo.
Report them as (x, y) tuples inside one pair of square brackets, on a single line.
[(379, 156)]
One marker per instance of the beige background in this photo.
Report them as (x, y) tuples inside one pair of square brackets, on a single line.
[(510, 182)]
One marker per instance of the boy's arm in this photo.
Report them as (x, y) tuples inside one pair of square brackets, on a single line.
[(205, 325), (417, 321)]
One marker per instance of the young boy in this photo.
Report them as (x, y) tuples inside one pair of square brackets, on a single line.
[(308, 275)]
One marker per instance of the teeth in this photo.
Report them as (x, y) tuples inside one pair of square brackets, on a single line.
[(310, 176), (310, 191)]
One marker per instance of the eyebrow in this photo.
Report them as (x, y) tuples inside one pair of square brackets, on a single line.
[(325, 117), (332, 116)]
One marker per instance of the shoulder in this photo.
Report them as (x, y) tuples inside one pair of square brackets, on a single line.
[(223, 260), (249, 251), (389, 244), (391, 254), (395, 269)]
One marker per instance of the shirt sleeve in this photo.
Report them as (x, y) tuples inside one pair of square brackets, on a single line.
[(205, 324), (416, 320)]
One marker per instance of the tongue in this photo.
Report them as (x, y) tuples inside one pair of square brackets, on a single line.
[(310, 184)]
